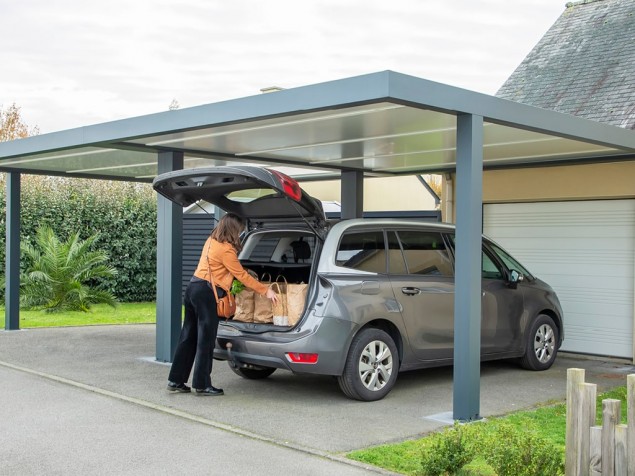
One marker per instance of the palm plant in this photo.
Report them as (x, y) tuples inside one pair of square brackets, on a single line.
[(60, 276)]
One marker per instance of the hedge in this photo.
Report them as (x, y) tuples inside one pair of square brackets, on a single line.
[(125, 215)]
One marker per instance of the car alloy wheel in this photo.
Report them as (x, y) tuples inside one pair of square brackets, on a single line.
[(371, 367), (375, 365), (544, 343)]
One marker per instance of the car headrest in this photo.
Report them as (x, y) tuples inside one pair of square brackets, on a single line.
[(301, 250)]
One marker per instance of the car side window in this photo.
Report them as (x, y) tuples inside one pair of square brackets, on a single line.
[(510, 262), (490, 269), (364, 251), (396, 263), (425, 253)]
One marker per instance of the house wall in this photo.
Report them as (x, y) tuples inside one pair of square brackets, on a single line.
[(570, 182), (380, 194), (575, 182)]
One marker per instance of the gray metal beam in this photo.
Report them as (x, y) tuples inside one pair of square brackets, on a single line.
[(12, 264), (169, 262), (467, 297), (352, 194)]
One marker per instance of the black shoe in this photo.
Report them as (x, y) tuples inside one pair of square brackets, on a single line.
[(209, 391), (178, 387)]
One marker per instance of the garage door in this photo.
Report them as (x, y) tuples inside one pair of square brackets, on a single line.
[(586, 251)]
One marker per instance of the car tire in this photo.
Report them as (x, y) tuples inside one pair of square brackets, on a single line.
[(371, 366), (542, 344), (253, 374)]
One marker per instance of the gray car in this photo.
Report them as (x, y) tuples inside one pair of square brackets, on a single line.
[(380, 297)]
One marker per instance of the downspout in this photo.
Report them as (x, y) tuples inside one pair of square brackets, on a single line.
[(448, 199)]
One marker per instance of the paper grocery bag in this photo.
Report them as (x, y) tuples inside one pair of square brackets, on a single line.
[(245, 306), (280, 308), (296, 299)]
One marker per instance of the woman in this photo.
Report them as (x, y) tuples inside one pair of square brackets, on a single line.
[(198, 336)]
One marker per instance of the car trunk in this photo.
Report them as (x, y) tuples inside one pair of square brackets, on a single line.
[(285, 225)]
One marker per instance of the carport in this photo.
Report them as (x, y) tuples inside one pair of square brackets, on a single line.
[(380, 124)]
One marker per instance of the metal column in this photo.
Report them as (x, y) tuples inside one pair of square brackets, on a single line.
[(352, 194), (169, 262), (467, 298), (12, 265)]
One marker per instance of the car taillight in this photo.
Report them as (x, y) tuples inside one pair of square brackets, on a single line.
[(290, 187), (301, 358)]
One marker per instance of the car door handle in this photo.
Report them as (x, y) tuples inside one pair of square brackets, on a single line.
[(411, 291)]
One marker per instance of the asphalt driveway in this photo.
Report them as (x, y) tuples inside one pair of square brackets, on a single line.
[(109, 375)]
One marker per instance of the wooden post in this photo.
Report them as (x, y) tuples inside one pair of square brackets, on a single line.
[(630, 421), (575, 377), (585, 408), (595, 456), (611, 412), (621, 456)]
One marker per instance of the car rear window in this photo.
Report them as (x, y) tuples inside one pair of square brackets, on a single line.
[(364, 251)]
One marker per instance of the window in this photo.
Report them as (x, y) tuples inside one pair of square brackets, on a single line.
[(263, 251), (490, 270), (510, 262), (249, 195), (425, 253), (396, 263), (364, 251)]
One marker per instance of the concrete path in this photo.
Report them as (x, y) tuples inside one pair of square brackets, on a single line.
[(92, 400)]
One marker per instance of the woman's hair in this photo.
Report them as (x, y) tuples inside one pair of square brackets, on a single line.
[(228, 230)]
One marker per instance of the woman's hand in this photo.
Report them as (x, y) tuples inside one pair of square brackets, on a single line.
[(271, 294)]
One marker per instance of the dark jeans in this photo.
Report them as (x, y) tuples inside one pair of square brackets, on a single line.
[(198, 337)]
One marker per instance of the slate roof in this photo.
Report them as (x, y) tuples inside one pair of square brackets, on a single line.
[(584, 65)]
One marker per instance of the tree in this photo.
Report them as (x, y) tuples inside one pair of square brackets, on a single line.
[(12, 126), (62, 276)]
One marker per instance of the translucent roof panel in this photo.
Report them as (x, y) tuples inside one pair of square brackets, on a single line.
[(382, 124)]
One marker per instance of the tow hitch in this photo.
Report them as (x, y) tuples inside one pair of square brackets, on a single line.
[(231, 360)]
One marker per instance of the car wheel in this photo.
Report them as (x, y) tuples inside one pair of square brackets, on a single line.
[(253, 374), (542, 344), (371, 366)]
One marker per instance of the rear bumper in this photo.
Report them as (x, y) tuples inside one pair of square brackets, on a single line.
[(330, 340)]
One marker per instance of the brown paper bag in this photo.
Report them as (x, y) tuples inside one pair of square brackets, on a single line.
[(244, 306), (296, 299), (280, 317), (263, 311)]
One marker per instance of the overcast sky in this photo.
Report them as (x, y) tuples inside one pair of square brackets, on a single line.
[(69, 63)]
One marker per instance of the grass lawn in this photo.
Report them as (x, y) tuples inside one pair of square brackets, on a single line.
[(124, 313), (548, 421)]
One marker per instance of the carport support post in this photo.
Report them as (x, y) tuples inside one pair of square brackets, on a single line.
[(12, 264), (169, 262), (352, 194), (467, 297)]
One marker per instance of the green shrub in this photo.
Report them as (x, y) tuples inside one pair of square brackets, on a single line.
[(61, 276), (449, 451), (124, 214), (506, 449)]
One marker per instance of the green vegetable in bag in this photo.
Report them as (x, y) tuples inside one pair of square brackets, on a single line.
[(237, 287)]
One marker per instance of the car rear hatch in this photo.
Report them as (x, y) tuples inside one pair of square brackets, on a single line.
[(253, 193)]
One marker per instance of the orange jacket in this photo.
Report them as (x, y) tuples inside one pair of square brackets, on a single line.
[(222, 260)]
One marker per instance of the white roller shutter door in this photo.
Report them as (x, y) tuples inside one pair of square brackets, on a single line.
[(586, 251)]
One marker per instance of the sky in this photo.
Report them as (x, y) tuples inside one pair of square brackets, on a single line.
[(71, 63)]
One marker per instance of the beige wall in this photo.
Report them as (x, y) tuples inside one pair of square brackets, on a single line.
[(576, 182), (571, 182), (380, 194)]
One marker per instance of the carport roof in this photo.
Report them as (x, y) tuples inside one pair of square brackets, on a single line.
[(383, 123)]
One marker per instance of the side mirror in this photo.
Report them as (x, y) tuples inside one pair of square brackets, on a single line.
[(514, 278)]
